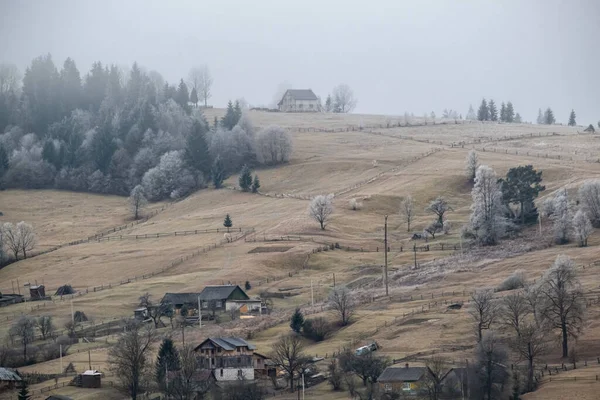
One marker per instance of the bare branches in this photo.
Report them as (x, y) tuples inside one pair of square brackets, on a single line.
[(407, 211), (483, 310), (343, 303), (287, 354), (137, 201), (321, 208), (439, 207)]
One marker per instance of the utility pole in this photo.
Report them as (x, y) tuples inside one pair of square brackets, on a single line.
[(72, 313), (199, 313), (415, 250), (540, 222), (90, 359), (18, 286), (387, 293), (334, 280)]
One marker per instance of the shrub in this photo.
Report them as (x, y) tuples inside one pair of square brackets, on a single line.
[(447, 227), (355, 204), (317, 329), (514, 281)]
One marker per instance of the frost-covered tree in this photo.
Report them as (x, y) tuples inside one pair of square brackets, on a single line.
[(549, 117), (439, 207), (561, 217), (245, 179), (518, 119), (471, 113), (321, 208), (572, 121), (255, 184), (493, 110), (197, 156), (137, 201), (343, 99), (169, 178), (540, 117), (407, 210), (503, 112), (582, 228), (589, 198), (487, 223), (510, 112), (483, 114), (471, 165), (273, 145)]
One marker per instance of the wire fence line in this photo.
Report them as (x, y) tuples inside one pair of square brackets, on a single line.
[(538, 155), (388, 125), (167, 234)]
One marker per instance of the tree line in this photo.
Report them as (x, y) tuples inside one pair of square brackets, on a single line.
[(112, 130)]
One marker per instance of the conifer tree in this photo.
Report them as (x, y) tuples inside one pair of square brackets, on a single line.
[(510, 113), (328, 105), (227, 223), (503, 113), (182, 98), (3, 160), (215, 123), (194, 97), (229, 120), (572, 118), (471, 113), (493, 111), (196, 155), (483, 114), (297, 321), (255, 184), (167, 360), (23, 391), (237, 112), (518, 119), (218, 173), (549, 117), (540, 118), (245, 179)]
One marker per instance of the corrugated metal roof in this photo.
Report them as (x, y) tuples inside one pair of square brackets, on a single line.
[(218, 292), (401, 374), (7, 374), (228, 343)]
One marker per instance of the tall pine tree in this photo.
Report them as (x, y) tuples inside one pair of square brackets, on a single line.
[(227, 222), (510, 112), (23, 391), (3, 160), (549, 117), (217, 172), (297, 321), (194, 97), (483, 114), (503, 113), (493, 111), (196, 155), (182, 98), (229, 120), (540, 118), (245, 179), (167, 360), (572, 121)]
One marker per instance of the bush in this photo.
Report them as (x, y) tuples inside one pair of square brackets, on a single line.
[(317, 329), (355, 204), (514, 281)]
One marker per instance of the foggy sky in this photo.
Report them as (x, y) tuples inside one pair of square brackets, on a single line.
[(398, 56)]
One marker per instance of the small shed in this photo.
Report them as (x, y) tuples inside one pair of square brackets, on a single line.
[(37, 292), (91, 379), (8, 378)]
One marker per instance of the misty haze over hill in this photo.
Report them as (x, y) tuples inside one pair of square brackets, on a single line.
[(414, 56)]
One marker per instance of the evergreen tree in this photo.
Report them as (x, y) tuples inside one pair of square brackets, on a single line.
[(40, 85), (510, 112), (255, 184), (218, 173), (23, 391), (297, 321), (94, 88), (493, 111), (227, 223), (540, 118), (215, 123), (49, 153), (4, 165), (245, 179), (167, 360), (328, 106), (247, 285), (102, 149), (522, 186), (483, 114), (471, 113), (518, 119), (194, 97), (237, 112), (229, 120), (182, 98), (572, 118), (196, 155), (503, 113), (549, 117), (70, 87)]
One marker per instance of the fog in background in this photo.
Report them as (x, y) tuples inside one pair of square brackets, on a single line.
[(416, 56)]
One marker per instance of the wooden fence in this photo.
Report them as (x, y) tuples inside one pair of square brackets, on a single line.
[(176, 233)]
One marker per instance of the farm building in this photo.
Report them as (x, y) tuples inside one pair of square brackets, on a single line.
[(180, 299), (8, 299), (229, 358), (8, 378), (299, 100), (406, 380), (37, 292), (224, 298)]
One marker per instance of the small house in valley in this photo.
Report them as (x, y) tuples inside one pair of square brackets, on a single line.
[(224, 298), (402, 380), (299, 100), (178, 300), (9, 378), (229, 358)]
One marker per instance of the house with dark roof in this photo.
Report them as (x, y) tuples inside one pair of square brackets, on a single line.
[(9, 378), (223, 298), (299, 100), (403, 380), (230, 358), (178, 300)]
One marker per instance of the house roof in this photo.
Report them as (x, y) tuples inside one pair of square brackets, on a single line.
[(58, 397), (220, 292), (262, 356), (402, 374), (299, 94), (7, 374), (228, 343), (589, 129), (180, 298)]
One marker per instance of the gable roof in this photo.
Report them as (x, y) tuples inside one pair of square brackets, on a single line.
[(299, 94), (402, 374), (180, 298), (219, 292), (590, 128), (228, 343), (7, 374)]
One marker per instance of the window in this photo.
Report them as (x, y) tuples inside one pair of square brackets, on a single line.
[(387, 387), (406, 386), (219, 350), (300, 105), (310, 106)]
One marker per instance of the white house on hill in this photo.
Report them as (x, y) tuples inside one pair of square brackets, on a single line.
[(299, 100)]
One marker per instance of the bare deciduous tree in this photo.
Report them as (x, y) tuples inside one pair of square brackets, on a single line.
[(367, 367), (491, 365), (531, 344), (343, 99), (563, 303), (27, 239), (343, 303), (129, 357), (471, 165), (321, 208), (11, 238), (273, 145), (201, 79), (335, 374), (137, 201), (582, 228), (24, 328), (589, 197), (45, 325), (437, 369), (407, 211), (287, 354), (439, 207), (183, 386), (483, 310), (514, 311)]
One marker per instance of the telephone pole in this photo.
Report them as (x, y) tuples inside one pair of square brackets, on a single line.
[(387, 293)]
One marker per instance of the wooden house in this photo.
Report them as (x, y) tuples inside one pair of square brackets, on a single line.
[(223, 298), (9, 379), (229, 358), (402, 380), (299, 100)]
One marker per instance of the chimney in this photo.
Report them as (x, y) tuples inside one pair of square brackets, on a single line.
[(406, 365)]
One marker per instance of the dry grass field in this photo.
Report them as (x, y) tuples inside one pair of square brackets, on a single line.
[(414, 319)]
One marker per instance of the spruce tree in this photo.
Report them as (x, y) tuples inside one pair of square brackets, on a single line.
[(194, 97), (255, 184), (493, 111), (23, 392), (297, 321), (229, 121), (196, 153), (549, 117), (217, 173), (49, 153), (237, 112), (572, 118), (227, 223), (471, 113), (503, 113), (245, 179), (518, 119), (510, 112), (182, 98), (483, 114), (167, 360), (540, 118), (3, 160), (215, 123)]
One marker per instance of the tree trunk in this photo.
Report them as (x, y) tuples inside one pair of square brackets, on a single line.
[(530, 374), (565, 342), (322, 226)]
